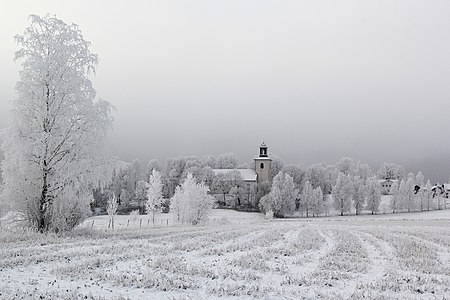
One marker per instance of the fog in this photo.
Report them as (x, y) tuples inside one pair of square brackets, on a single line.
[(316, 80)]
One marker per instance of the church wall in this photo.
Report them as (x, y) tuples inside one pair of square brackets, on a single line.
[(263, 174)]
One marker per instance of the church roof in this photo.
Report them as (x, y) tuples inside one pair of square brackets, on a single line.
[(247, 174), (262, 158)]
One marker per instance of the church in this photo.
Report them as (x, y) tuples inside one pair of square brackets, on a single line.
[(257, 175)]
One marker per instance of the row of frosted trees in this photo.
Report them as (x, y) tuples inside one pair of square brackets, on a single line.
[(347, 187), (347, 193), (408, 196), (190, 203)]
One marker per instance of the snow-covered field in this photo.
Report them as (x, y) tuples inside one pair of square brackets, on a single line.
[(237, 255)]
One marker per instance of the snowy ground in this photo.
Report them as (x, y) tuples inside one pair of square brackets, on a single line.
[(237, 255)]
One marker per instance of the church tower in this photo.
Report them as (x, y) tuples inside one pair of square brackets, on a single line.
[(262, 164)]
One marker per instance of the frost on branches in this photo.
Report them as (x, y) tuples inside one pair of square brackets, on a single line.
[(154, 194), (191, 202), (281, 199), (373, 195), (342, 193), (111, 209), (55, 148)]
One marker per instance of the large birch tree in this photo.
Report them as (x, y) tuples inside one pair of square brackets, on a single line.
[(55, 150)]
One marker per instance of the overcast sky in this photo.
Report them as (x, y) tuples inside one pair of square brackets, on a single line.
[(317, 80)]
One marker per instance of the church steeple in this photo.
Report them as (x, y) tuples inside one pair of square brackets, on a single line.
[(263, 164), (263, 150)]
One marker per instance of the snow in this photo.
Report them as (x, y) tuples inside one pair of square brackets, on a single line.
[(236, 255), (262, 158), (247, 174)]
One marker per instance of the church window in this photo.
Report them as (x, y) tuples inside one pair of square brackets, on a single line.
[(262, 166)]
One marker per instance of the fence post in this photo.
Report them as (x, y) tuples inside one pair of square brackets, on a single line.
[(128, 222), (167, 222), (92, 226), (148, 222), (140, 223)]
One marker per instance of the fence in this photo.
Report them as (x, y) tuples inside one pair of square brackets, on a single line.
[(124, 222)]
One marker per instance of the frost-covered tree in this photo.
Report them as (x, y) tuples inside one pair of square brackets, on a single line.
[(135, 173), (173, 174), (342, 193), (402, 193), (55, 150), (346, 165), (276, 166), (224, 182), (262, 189), (395, 198), (422, 198), (409, 193), (281, 199), (266, 204), (191, 201), (125, 198), (152, 165), (306, 198), (373, 193), (226, 161), (363, 171), (141, 194), (289, 193), (240, 194), (121, 182), (318, 206), (297, 173), (318, 176), (428, 194), (154, 194), (206, 175), (358, 194), (111, 209), (176, 204), (391, 171), (420, 179), (208, 161), (328, 203)]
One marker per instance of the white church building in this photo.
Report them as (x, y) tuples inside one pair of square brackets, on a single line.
[(257, 175)]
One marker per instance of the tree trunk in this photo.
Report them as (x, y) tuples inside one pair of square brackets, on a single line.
[(43, 203)]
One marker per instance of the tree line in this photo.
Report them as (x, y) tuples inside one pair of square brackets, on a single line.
[(56, 158), (346, 186)]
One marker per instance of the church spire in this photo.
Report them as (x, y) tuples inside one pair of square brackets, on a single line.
[(263, 150)]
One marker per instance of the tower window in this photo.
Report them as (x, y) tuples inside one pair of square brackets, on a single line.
[(261, 166)]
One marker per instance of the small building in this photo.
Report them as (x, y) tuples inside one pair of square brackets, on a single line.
[(386, 185)]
